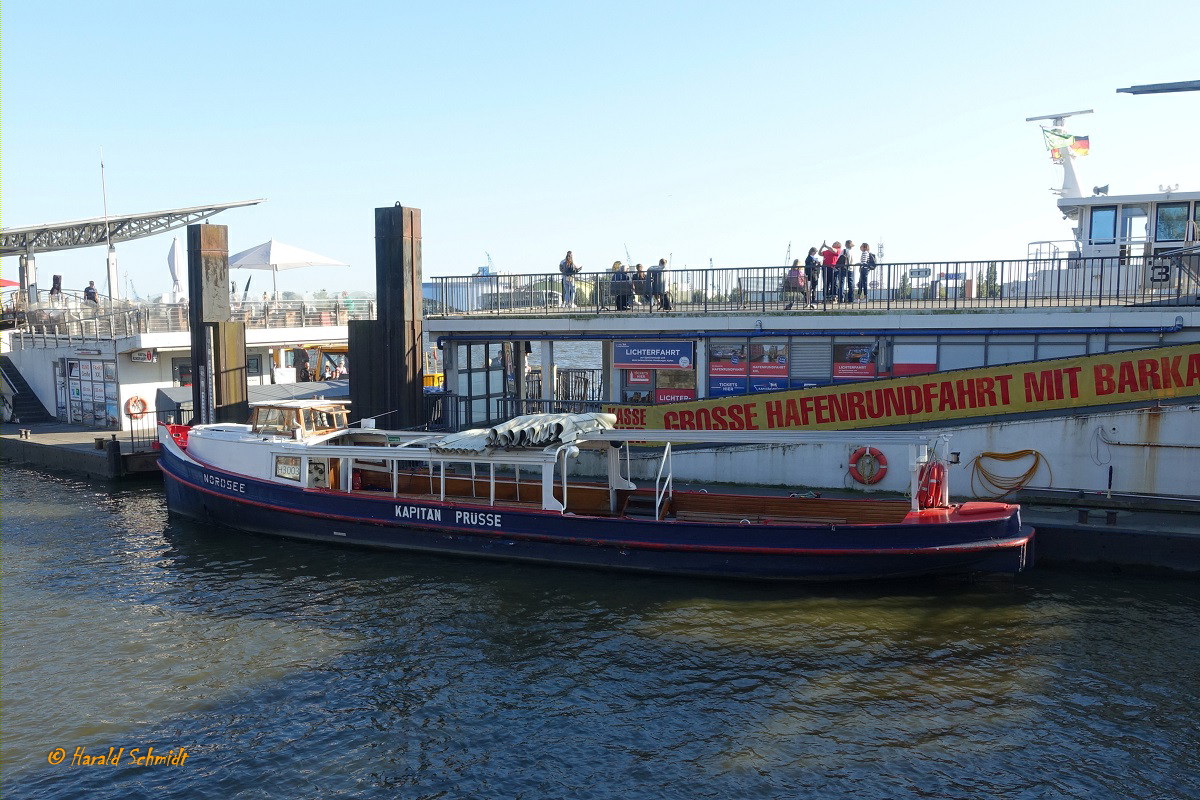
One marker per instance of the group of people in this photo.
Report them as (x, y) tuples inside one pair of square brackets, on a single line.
[(843, 271), (646, 287)]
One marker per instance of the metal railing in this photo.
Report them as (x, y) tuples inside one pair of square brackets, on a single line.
[(929, 285), (571, 383), (48, 324), (143, 431)]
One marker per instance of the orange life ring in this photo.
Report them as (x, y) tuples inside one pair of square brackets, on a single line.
[(874, 465), (135, 407), (929, 484)]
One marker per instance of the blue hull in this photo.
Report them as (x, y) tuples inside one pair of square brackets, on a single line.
[(801, 552)]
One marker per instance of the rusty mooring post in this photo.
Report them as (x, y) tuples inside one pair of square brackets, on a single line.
[(387, 369), (219, 390)]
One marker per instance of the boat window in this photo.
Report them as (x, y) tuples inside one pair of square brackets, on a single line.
[(323, 419), (1103, 229), (1135, 223), (1170, 222), (271, 420)]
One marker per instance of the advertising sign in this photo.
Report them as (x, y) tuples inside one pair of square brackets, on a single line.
[(638, 376), (913, 359), (673, 395), (659, 355), (726, 358), (1130, 376), (855, 361), (768, 358), (768, 384), (143, 356), (723, 387)]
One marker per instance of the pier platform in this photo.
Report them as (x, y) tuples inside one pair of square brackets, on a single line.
[(75, 448)]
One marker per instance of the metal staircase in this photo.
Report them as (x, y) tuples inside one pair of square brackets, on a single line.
[(26, 406)]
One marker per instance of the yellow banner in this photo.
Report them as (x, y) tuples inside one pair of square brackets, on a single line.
[(1131, 376)]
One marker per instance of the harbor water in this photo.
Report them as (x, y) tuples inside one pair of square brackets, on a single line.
[(289, 669)]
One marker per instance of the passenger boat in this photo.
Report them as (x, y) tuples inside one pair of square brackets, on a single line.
[(297, 470)]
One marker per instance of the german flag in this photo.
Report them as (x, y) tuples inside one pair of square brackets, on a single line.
[(1080, 146)]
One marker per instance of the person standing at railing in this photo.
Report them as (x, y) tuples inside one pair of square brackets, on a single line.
[(569, 270), (622, 277), (812, 266), (794, 284), (641, 285), (866, 264), (829, 260), (658, 285), (90, 295), (848, 261)]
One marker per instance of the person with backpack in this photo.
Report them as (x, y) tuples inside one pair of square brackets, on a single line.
[(866, 263)]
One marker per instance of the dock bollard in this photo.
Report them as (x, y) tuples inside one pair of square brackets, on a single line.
[(23, 433)]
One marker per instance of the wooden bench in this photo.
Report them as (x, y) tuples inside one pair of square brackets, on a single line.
[(688, 505)]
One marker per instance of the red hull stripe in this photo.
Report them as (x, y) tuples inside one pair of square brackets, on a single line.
[(1002, 544)]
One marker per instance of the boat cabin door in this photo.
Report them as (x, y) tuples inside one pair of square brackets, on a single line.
[(318, 473)]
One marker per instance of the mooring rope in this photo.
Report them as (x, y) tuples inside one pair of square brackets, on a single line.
[(983, 480)]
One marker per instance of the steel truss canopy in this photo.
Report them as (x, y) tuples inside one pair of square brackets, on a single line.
[(91, 232), (1162, 88)]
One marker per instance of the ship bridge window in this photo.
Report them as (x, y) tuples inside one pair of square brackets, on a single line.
[(1170, 222), (1103, 227), (1135, 223)]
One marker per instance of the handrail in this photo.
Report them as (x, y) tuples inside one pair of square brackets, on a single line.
[(1068, 280), (668, 488), (95, 322)]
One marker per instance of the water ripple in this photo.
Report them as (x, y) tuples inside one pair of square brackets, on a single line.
[(296, 670)]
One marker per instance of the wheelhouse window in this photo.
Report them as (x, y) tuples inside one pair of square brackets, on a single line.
[(1103, 228), (273, 420), (1135, 223), (1170, 222), (323, 420)]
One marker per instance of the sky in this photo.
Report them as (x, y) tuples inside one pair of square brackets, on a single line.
[(696, 131)]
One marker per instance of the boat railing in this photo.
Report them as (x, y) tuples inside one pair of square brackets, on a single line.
[(664, 488), (143, 430), (1062, 280)]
